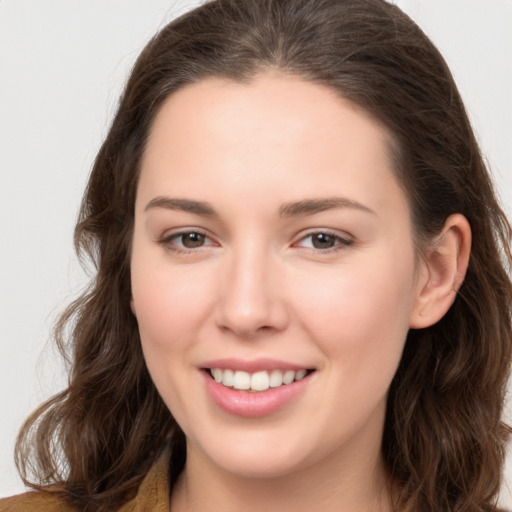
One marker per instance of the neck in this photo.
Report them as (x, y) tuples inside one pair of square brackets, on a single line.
[(329, 486)]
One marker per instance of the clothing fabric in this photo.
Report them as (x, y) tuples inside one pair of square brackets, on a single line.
[(152, 496)]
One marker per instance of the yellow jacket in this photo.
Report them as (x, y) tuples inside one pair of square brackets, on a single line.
[(152, 496)]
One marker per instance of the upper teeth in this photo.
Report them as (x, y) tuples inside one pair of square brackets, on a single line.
[(259, 381)]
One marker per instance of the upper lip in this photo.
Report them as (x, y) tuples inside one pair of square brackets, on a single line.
[(253, 365)]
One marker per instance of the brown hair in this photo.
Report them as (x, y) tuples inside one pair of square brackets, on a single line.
[(443, 438)]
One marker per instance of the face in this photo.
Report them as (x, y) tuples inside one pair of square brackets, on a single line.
[(273, 273)]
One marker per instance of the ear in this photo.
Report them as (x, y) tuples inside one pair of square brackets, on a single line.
[(442, 272), (132, 307)]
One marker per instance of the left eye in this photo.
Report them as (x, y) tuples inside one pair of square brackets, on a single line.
[(322, 241)]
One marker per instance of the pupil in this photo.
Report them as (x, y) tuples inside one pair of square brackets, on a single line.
[(323, 241), (191, 240)]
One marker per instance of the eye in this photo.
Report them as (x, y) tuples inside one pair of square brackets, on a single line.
[(190, 240), (323, 241), (186, 241)]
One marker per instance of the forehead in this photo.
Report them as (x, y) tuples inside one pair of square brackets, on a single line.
[(275, 130), (272, 102)]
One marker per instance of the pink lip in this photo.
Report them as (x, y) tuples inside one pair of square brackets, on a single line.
[(252, 366), (253, 404)]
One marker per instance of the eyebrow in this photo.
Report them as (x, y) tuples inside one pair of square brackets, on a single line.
[(312, 206), (292, 209), (184, 205)]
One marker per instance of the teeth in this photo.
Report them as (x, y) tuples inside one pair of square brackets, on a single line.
[(288, 377), (259, 381), (242, 380), (300, 374), (276, 379), (228, 377)]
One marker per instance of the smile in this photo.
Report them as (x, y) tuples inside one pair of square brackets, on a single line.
[(254, 391), (258, 381)]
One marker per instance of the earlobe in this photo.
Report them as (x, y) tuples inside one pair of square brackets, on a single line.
[(132, 307), (442, 273)]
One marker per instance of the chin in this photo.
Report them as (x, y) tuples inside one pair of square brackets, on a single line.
[(260, 467), (258, 458)]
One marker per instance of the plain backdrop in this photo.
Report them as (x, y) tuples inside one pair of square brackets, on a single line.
[(62, 66)]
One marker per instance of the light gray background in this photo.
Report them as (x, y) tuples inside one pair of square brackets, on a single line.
[(62, 67)]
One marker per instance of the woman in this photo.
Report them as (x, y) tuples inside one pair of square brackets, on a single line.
[(301, 300)]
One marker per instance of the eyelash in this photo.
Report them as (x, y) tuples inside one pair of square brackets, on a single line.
[(168, 241), (340, 242)]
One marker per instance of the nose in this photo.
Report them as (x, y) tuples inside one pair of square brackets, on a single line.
[(251, 300)]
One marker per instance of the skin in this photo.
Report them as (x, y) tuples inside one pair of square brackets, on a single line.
[(257, 286)]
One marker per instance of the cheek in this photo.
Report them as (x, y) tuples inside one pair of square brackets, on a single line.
[(360, 323), (359, 311), (169, 308), (169, 303)]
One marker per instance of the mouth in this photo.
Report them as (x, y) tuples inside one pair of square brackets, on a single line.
[(255, 388), (258, 381)]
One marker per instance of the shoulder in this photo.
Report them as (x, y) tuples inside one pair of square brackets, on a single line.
[(152, 495), (35, 501)]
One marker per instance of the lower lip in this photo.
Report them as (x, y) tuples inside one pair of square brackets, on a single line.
[(254, 404)]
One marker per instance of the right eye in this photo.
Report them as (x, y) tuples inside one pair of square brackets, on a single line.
[(190, 240), (186, 241)]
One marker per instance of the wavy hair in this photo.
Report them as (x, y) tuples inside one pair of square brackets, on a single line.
[(443, 438)]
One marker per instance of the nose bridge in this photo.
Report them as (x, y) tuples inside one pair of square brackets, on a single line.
[(251, 300)]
